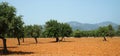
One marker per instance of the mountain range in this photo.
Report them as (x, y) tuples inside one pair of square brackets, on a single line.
[(86, 26)]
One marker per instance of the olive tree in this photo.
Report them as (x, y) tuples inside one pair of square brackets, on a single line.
[(18, 28), (111, 31), (36, 31), (103, 31), (7, 14), (52, 29), (65, 30)]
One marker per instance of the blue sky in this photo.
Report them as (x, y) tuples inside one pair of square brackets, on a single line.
[(84, 11)]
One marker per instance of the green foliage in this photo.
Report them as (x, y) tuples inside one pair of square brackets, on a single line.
[(27, 30), (103, 31), (56, 29), (52, 28), (36, 31), (77, 33), (91, 33), (18, 29), (118, 31), (32, 30), (66, 30), (106, 31), (7, 14), (111, 32), (10, 24)]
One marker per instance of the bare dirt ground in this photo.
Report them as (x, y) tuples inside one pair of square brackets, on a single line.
[(69, 47)]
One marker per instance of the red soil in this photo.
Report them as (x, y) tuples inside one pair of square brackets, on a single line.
[(69, 47)]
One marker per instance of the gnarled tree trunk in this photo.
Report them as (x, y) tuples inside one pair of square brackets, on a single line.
[(57, 39), (104, 38), (36, 39), (18, 40), (4, 44), (63, 38)]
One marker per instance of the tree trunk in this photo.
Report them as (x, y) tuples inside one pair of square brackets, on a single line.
[(18, 40), (36, 39), (5, 46), (57, 39), (104, 39), (62, 39)]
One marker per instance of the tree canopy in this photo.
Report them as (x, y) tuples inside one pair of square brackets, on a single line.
[(7, 15), (56, 29)]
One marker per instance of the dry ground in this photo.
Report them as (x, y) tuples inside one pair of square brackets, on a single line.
[(69, 47)]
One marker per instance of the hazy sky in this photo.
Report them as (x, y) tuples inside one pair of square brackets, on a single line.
[(84, 11)]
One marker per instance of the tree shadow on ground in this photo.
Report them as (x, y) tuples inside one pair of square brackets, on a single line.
[(24, 44), (66, 41), (52, 42), (59, 41), (35, 43), (15, 52), (9, 47)]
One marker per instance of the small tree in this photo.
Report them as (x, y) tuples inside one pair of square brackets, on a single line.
[(52, 29), (76, 33), (28, 30), (103, 31), (36, 30), (18, 28), (66, 30), (111, 32)]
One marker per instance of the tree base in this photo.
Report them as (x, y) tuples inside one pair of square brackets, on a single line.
[(104, 39), (57, 39), (5, 51), (36, 40)]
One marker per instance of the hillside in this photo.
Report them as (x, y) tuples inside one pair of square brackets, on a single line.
[(86, 26)]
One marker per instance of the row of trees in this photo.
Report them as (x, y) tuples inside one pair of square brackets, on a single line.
[(11, 25), (105, 31), (32, 31)]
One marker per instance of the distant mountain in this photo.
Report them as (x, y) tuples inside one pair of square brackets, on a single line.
[(106, 23), (85, 26)]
